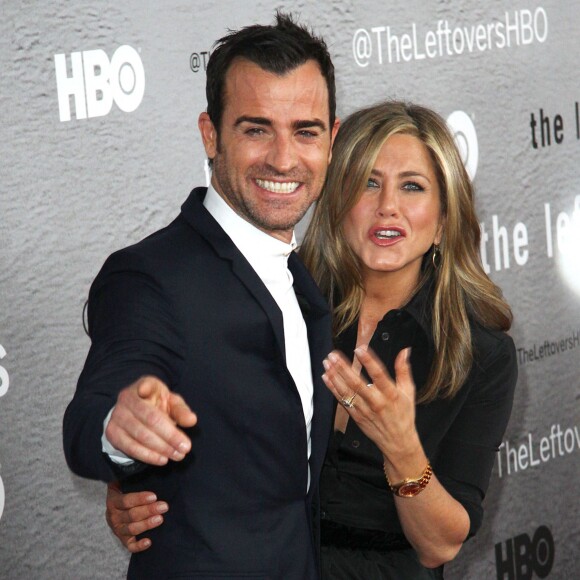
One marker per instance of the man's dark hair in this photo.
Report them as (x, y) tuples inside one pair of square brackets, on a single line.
[(278, 49)]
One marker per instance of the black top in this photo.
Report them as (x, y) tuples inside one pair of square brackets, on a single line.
[(460, 436)]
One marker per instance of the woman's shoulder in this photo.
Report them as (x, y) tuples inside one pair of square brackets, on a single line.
[(495, 356), (487, 341)]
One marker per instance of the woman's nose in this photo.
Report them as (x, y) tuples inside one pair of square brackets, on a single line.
[(387, 203)]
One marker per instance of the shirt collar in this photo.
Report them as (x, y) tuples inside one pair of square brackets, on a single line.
[(251, 241), (420, 308)]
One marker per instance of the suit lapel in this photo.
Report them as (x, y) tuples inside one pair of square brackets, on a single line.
[(318, 321), (313, 305), (203, 222)]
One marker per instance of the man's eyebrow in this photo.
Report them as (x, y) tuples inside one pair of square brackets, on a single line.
[(253, 120), (296, 125), (308, 123)]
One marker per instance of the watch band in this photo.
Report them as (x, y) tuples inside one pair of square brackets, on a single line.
[(411, 486)]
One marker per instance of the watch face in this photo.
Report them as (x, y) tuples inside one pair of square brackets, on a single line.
[(410, 489)]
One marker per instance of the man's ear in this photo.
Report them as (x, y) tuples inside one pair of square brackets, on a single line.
[(333, 133), (208, 135)]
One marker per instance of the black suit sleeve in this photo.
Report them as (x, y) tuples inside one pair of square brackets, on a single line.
[(133, 333)]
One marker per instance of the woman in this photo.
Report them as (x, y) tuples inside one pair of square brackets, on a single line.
[(393, 244)]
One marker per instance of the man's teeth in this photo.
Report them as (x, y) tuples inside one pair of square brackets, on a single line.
[(278, 186), (386, 234)]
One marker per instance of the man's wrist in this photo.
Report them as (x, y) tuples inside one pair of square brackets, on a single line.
[(114, 454)]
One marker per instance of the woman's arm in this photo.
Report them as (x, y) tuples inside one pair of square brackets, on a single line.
[(434, 522)]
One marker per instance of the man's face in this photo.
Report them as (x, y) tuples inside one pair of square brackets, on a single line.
[(274, 146)]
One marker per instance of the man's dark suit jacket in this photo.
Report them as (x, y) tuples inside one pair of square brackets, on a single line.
[(185, 306)]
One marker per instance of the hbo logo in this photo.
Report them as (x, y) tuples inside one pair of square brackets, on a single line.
[(95, 82), (524, 556)]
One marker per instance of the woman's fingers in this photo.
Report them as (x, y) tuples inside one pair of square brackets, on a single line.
[(350, 388), (404, 374), (342, 381), (374, 366)]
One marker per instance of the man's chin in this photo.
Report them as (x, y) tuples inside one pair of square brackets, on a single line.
[(283, 224)]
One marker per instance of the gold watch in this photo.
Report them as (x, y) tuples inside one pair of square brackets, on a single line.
[(411, 486)]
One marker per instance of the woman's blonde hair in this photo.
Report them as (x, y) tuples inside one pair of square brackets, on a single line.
[(462, 290)]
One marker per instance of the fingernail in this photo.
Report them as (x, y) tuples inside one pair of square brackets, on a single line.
[(151, 498), (177, 456), (183, 447), (333, 357), (162, 508), (360, 350), (156, 520), (325, 364)]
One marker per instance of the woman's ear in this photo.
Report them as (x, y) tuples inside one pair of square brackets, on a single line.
[(439, 231)]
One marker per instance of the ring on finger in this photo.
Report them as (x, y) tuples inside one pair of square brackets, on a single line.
[(370, 385), (349, 403)]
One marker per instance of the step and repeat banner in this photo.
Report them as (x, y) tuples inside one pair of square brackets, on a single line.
[(99, 104)]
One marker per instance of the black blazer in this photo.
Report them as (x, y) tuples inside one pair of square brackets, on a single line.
[(186, 306)]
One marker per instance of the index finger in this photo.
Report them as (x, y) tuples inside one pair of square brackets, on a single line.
[(180, 412), (157, 426), (375, 368)]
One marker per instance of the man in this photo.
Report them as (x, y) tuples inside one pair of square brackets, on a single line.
[(215, 313)]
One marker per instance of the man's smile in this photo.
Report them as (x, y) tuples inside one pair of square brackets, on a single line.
[(278, 186)]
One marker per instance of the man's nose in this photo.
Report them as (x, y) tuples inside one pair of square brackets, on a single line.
[(282, 154)]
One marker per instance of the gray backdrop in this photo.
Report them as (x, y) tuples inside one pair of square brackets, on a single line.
[(130, 77)]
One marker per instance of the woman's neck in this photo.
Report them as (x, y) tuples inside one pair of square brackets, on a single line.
[(384, 291)]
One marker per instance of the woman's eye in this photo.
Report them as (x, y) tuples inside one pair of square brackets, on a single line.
[(372, 184), (413, 186)]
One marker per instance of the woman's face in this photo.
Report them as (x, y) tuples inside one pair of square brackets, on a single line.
[(398, 216)]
